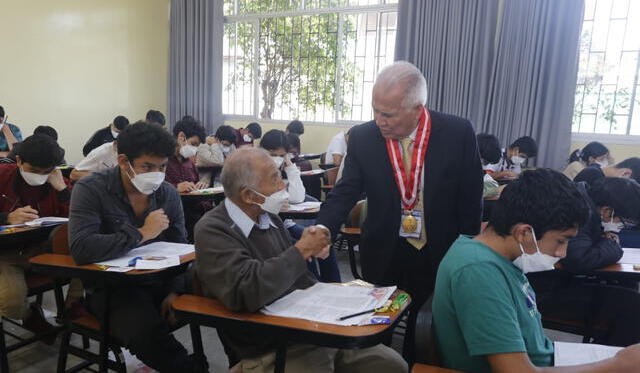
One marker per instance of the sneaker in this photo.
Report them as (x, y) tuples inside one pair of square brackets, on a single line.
[(38, 325)]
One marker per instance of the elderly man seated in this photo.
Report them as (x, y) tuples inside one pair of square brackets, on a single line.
[(244, 258)]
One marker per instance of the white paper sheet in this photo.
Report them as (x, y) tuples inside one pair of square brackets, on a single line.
[(157, 263), (49, 220), (630, 256), (304, 206), (581, 353), (167, 249), (328, 302), (312, 172)]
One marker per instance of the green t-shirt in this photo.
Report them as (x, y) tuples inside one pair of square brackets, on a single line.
[(484, 305)]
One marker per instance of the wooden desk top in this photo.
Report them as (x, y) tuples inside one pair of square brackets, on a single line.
[(213, 308), (17, 237), (304, 214), (421, 368), (200, 194), (620, 268)]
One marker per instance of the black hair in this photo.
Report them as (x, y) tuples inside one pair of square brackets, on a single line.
[(46, 130), (296, 127), (188, 117), (622, 195), (543, 198), (526, 145), (120, 122), (273, 140), (142, 138), (255, 130), (293, 141), (489, 147), (154, 116), (190, 127), (593, 149), (226, 133), (1, 112), (41, 151), (633, 164)]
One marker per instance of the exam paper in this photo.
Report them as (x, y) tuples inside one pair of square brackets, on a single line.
[(156, 249), (630, 256), (209, 190), (49, 220), (328, 302), (581, 353), (304, 206), (157, 262), (312, 172)]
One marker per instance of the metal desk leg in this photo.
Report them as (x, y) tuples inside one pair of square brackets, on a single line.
[(281, 358)]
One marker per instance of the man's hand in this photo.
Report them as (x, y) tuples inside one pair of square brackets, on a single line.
[(314, 242), (22, 215), (186, 186), (612, 236), (56, 180), (211, 140), (166, 310), (155, 223)]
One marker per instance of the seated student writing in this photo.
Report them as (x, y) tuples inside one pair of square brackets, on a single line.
[(107, 134), (295, 127), (40, 130), (629, 168), (484, 310), (122, 208), (155, 116), (99, 159), (294, 152), (213, 152), (510, 164), (489, 148), (594, 153), (245, 259), (9, 134), (246, 136), (562, 294), (29, 189), (181, 171)]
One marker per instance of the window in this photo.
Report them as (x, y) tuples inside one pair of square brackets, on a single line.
[(607, 94), (312, 60)]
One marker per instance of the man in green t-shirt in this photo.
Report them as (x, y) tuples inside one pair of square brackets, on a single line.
[(484, 310)]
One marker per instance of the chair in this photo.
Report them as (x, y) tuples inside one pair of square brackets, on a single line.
[(329, 179), (37, 285), (351, 235)]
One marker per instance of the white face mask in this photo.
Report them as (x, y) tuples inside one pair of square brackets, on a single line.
[(247, 138), (114, 134), (610, 226), (517, 160), (226, 149), (537, 262), (274, 202), (33, 179), (278, 160), (188, 151), (602, 164), (147, 182)]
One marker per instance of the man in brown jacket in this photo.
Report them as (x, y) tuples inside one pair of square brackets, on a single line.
[(245, 259)]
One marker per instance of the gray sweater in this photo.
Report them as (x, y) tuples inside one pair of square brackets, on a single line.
[(247, 273)]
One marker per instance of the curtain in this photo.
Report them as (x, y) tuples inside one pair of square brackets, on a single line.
[(195, 61), (509, 66)]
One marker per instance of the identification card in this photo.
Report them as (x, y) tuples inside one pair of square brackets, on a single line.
[(411, 224)]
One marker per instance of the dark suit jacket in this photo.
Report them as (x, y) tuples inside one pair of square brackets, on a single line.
[(452, 193)]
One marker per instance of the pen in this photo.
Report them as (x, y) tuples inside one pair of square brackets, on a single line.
[(357, 314)]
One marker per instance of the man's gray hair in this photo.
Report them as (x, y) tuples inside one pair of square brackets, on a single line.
[(412, 80), (240, 171)]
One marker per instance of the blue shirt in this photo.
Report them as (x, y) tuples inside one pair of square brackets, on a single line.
[(4, 146)]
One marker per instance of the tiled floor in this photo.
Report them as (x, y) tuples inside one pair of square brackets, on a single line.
[(40, 358)]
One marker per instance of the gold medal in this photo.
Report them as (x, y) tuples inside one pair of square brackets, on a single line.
[(409, 224)]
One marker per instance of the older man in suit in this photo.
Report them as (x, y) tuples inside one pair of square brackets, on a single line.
[(421, 173)]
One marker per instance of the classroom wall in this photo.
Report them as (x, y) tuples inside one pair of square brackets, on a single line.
[(75, 64), (618, 151)]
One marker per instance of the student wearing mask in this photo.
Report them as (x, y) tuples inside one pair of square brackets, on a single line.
[(246, 136), (213, 152), (629, 168), (30, 188), (484, 309), (105, 135), (40, 130), (117, 210), (295, 127), (489, 148), (99, 159), (594, 153), (154, 116), (181, 170), (295, 151), (568, 293), (9, 134), (510, 165), (337, 149)]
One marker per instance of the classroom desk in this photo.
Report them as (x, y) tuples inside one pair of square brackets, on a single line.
[(210, 312), (216, 196), (312, 181), (305, 214), (309, 157), (60, 265), (24, 236)]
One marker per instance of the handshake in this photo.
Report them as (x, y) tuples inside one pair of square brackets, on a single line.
[(315, 242)]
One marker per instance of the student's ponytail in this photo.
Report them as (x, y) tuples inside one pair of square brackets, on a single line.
[(575, 156)]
